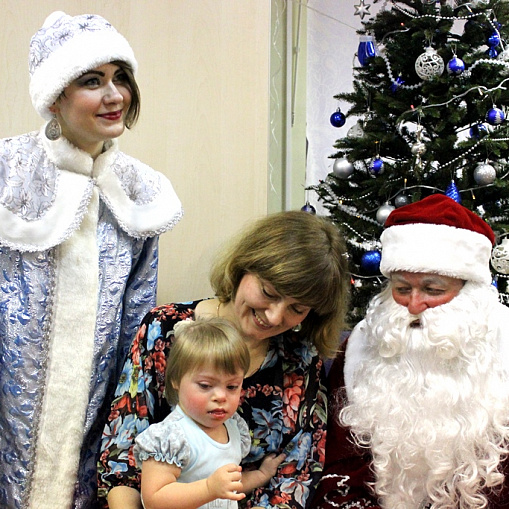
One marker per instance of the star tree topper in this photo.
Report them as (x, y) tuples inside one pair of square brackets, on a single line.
[(362, 9)]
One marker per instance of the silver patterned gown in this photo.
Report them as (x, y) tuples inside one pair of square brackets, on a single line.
[(78, 262)]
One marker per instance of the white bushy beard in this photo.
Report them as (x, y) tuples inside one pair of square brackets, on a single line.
[(432, 402)]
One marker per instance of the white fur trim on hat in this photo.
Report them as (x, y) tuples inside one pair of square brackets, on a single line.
[(437, 249), (65, 48)]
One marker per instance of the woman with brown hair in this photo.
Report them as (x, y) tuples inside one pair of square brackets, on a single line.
[(284, 283)]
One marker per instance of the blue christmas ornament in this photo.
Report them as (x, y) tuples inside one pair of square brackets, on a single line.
[(366, 50), (309, 208), (495, 116), (338, 119), (492, 53), (493, 42), (377, 166), (370, 262), (453, 192), (396, 84), (478, 130), (455, 66)]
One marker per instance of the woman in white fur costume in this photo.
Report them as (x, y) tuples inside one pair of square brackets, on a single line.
[(79, 226)]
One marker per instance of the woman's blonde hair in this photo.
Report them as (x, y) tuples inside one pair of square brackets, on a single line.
[(304, 257), (213, 342)]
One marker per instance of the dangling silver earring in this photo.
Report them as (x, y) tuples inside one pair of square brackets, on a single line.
[(53, 130), (297, 328)]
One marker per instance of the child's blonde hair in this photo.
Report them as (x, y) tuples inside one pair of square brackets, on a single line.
[(212, 341)]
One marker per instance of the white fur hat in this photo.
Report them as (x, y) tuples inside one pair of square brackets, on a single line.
[(65, 48)]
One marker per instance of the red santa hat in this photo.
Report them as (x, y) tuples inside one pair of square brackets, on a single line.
[(437, 235)]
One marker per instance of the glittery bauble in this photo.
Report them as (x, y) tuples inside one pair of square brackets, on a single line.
[(370, 262), (500, 257), (484, 174), (338, 119), (376, 167), (478, 130), (429, 65), (401, 200), (495, 116), (455, 66), (383, 213), (418, 148), (342, 168), (308, 208), (453, 192)]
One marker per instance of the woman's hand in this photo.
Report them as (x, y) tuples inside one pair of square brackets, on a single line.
[(257, 478), (270, 464)]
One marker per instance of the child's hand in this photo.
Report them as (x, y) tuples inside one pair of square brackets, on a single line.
[(226, 482), (270, 464)]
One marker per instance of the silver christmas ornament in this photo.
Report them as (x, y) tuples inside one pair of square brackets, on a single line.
[(429, 64), (484, 174), (383, 213), (361, 9), (500, 257), (356, 131), (401, 200), (342, 168), (418, 148)]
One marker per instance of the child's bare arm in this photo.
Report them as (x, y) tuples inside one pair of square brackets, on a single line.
[(160, 489)]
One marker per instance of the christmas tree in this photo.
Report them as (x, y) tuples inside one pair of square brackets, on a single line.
[(429, 92)]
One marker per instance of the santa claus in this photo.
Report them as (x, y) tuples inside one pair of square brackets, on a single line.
[(422, 390)]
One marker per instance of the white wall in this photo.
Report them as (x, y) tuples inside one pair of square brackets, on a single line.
[(204, 78), (332, 44)]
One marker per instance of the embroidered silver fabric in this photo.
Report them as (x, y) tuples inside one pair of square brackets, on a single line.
[(28, 178), (139, 182), (127, 288)]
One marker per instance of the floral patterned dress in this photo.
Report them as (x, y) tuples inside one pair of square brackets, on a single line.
[(283, 403)]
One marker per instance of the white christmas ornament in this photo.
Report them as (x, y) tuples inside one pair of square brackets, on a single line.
[(500, 257), (484, 174), (356, 131), (429, 64)]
